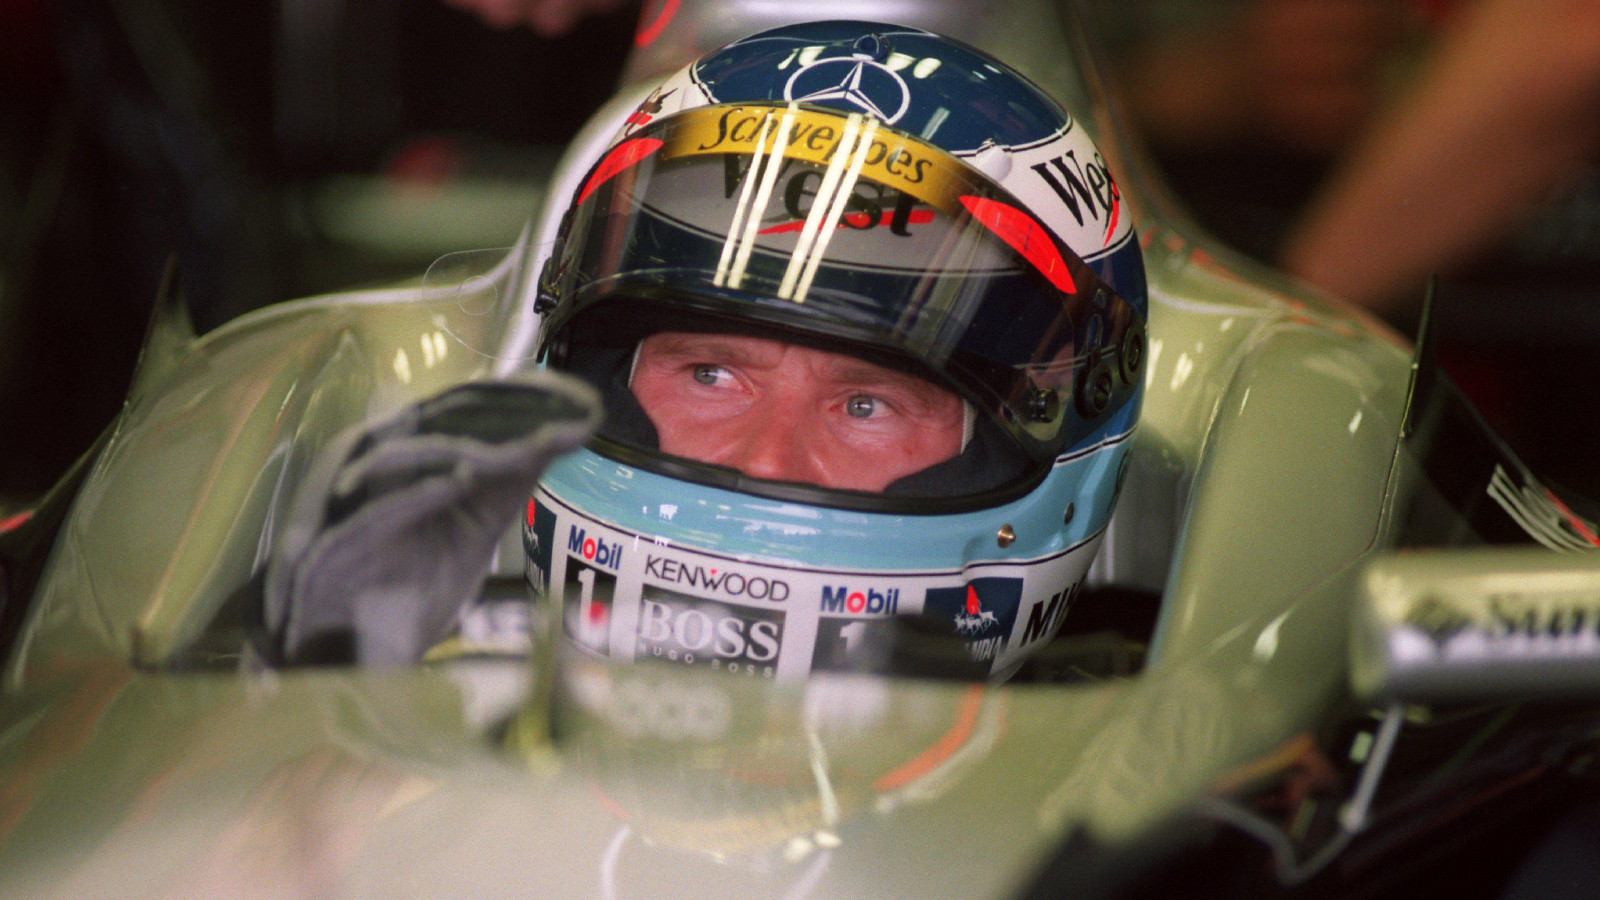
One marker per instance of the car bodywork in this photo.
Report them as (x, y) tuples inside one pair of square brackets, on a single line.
[(1247, 706)]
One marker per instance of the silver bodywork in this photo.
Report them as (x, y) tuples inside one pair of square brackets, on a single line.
[(1264, 474)]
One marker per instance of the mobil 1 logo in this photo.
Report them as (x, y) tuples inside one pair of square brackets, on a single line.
[(855, 628), (587, 601), (692, 631), (590, 588)]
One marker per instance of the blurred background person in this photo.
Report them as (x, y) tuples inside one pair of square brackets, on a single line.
[(1483, 170), (1247, 104), (1502, 123), (1365, 145)]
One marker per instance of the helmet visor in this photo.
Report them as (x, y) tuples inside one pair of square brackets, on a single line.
[(837, 226)]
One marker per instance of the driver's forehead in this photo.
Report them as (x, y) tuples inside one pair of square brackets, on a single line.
[(762, 353)]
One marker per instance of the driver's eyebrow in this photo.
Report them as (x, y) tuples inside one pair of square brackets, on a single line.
[(680, 347), (867, 375), (708, 348)]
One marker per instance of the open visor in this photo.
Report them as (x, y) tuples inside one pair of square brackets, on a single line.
[(835, 226)]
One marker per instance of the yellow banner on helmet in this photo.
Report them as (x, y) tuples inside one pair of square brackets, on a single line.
[(891, 159)]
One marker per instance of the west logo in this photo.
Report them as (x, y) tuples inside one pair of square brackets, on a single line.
[(1085, 187), (872, 603), (734, 584), (870, 205), (594, 549)]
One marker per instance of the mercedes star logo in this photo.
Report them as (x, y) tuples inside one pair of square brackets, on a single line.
[(868, 85)]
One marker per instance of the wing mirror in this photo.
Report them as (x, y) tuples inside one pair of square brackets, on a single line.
[(1479, 624)]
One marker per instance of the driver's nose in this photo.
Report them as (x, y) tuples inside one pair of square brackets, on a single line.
[(773, 441)]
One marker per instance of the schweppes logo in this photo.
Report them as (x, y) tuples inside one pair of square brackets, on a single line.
[(892, 159)]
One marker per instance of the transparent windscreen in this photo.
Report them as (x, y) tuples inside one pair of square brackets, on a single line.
[(475, 299), (1466, 487)]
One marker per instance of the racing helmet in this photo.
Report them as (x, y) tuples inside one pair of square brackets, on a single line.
[(888, 194)]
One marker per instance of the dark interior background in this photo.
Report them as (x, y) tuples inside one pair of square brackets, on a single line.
[(266, 144)]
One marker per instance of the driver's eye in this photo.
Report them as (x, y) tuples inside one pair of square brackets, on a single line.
[(861, 406), (711, 375)]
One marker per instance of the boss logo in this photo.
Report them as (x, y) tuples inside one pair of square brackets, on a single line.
[(739, 639)]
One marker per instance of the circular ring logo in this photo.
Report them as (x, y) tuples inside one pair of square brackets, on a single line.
[(864, 83)]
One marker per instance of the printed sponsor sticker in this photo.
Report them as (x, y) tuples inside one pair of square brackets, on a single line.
[(633, 597), (981, 612), (899, 161), (684, 629)]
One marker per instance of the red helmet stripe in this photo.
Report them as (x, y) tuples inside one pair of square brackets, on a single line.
[(1116, 209), (624, 155), (1025, 236)]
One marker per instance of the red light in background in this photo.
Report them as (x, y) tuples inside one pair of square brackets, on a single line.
[(650, 27)]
